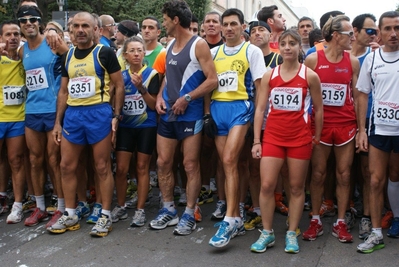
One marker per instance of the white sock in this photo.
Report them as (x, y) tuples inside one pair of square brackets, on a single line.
[(238, 220), (71, 212), (189, 211), (61, 204), (40, 203), (170, 206), (106, 212), (378, 231), (17, 205), (257, 211), (230, 220), (316, 217), (393, 195), (339, 220)]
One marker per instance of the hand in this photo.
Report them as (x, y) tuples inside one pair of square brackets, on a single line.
[(256, 150), (137, 80), (160, 105), (57, 134), (53, 39), (4, 48), (361, 142), (180, 106), (210, 127)]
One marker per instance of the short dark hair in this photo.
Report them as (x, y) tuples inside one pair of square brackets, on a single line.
[(7, 22), (180, 9), (306, 18), (326, 16), (388, 14), (267, 12), (154, 19), (358, 21), (232, 12), (315, 36), (194, 18)]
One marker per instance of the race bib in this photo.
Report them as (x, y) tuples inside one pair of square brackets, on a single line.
[(13, 95), (36, 79), (134, 105), (82, 87), (386, 113), (286, 98), (228, 81), (334, 94)]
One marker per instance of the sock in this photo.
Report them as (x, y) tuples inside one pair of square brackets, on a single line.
[(61, 204), (257, 211), (142, 210), (170, 206), (230, 220), (393, 195), (17, 205), (316, 217), (222, 201), (339, 220), (40, 202), (206, 187), (189, 211), (378, 231), (269, 231), (106, 212), (238, 220), (71, 212)]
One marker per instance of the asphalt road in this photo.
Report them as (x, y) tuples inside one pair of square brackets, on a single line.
[(126, 246)]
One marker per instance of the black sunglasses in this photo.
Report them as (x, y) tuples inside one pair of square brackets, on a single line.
[(370, 31), (31, 19)]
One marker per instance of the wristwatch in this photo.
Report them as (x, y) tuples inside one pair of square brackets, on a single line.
[(187, 97)]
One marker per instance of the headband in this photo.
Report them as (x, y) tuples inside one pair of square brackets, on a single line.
[(28, 11), (126, 31), (259, 23)]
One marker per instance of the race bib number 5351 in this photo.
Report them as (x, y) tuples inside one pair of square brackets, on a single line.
[(82, 87)]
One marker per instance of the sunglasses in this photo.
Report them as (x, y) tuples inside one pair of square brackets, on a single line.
[(370, 31), (110, 25), (31, 19), (349, 33)]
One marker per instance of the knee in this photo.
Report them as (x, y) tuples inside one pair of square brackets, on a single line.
[(163, 163), (267, 189), (102, 168), (142, 167), (343, 177), (190, 166), (16, 162), (36, 160)]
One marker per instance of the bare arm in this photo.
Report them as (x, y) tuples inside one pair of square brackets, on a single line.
[(119, 95), (317, 100), (61, 107), (262, 97), (311, 61)]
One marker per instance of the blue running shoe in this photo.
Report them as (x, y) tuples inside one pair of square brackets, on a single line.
[(394, 229), (266, 240), (223, 234), (220, 211), (82, 210), (291, 242), (164, 219), (240, 230), (95, 214), (186, 225)]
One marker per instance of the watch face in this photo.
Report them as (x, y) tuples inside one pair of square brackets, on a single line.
[(187, 97)]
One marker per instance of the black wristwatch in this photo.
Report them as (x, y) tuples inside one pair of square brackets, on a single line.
[(187, 97), (118, 117)]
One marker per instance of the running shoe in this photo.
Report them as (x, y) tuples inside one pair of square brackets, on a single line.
[(350, 219), (132, 202), (243, 214), (197, 213), (291, 242), (36, 217), (56, 215), (95, 214), (164, 219), (220, 211), (212, 185), (240, 230), (53, 205), (118, 213), (265, 240), (394, 229), (327, 209), (131, 188), (138, 219), (371, 243), (64, 223), (386, 221), (153, 179), (15, 216), (340, 231), (280, 206), (186, 225), (29, 205), (205, 196), (82, 210), (364, 228), (315, 229), (223, 234), (4, 208), (102, 227), (183, 198), (253, 221)]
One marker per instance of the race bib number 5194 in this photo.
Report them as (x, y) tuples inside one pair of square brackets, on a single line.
[(286, 98)]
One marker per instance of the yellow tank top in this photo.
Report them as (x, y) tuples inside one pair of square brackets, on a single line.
[(234, 76), (88, 80), (13, 90)]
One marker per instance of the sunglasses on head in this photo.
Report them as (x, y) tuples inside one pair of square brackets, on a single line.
[(370, 31), (31, 19)]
